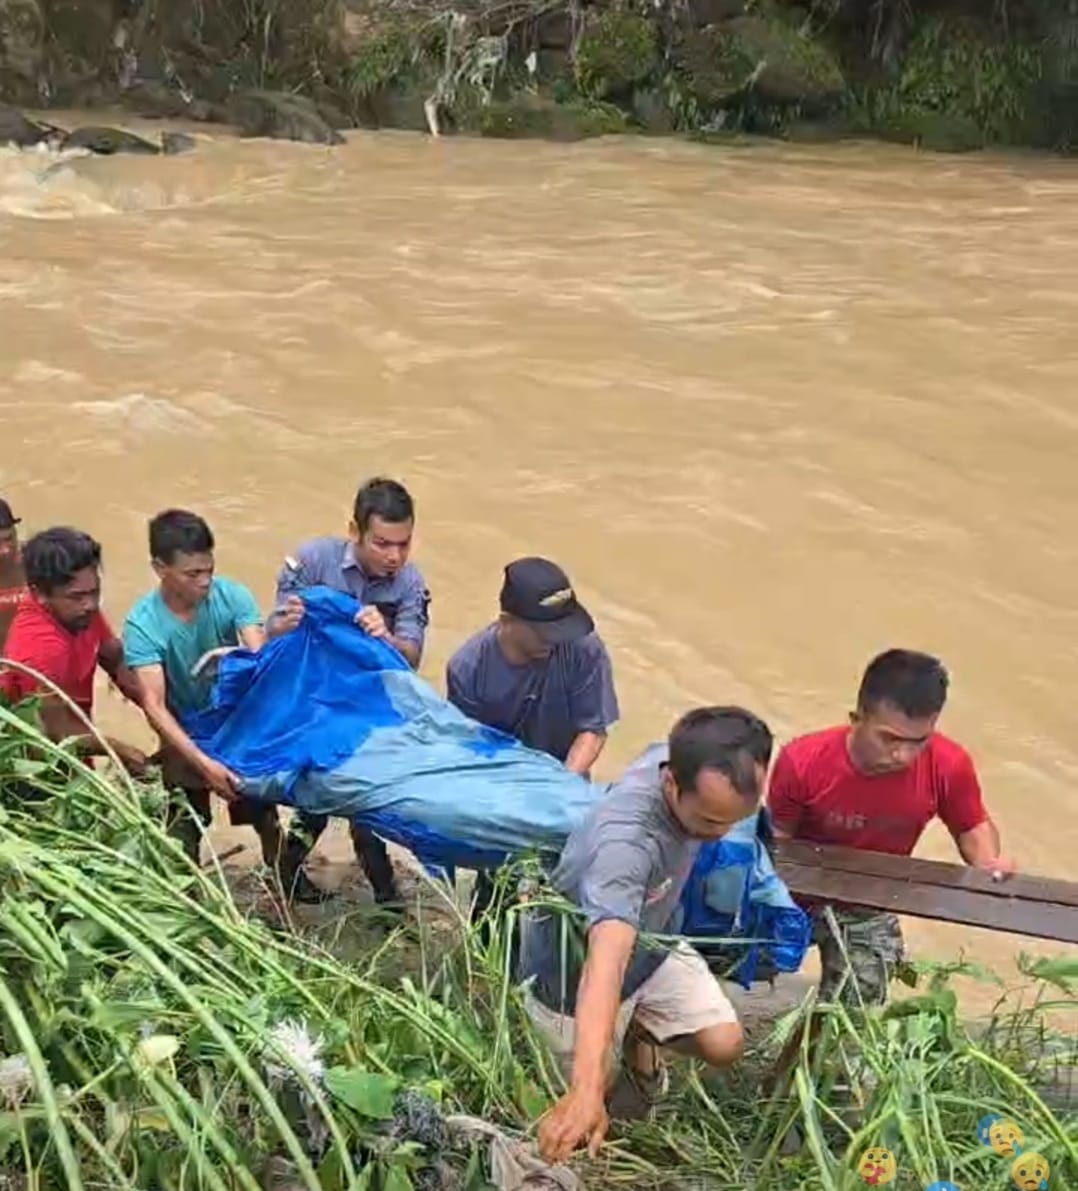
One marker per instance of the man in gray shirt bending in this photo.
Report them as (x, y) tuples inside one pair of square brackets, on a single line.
[(593, 975), (372, 565)]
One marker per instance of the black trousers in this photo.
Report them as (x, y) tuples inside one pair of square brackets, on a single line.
[(371, 853)]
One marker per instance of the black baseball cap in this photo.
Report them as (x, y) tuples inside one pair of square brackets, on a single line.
[(8, 520), (538, 591)]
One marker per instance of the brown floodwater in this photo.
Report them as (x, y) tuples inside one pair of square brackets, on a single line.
[(774, 408)]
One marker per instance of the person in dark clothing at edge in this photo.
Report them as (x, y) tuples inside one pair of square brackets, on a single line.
[(540, 673), (372, 565), (609, 972), (12, 575)]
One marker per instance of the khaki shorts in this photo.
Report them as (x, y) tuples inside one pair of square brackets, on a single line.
[(681, 997)]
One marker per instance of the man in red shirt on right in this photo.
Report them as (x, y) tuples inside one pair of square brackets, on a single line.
[(876, 785)]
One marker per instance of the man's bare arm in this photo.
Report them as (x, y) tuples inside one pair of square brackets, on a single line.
[(153, 693), (252, 637), (410, 649), (980, 847), (580, 1115), (111, 659), (61, 723), (584, 752), (610, 944)]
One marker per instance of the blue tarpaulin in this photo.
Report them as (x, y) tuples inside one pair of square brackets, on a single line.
[(329, 720)]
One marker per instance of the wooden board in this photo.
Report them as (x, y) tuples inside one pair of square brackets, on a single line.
[(1022, 905)]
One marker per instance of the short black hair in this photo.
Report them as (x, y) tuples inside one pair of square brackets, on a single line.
[(383, 498), (55, 556), (914, 683), (176, 531), (730, 740)]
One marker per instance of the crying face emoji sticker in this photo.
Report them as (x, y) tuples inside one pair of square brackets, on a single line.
[(877, 1166), (1006, 1138), (1030, 1172)]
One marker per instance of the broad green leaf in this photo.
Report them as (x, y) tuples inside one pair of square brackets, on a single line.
[(331, 1172), (397, 1178), (368, 1092)]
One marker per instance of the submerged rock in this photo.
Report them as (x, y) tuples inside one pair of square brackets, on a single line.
[(16, 130), (107, 141), (280, 116), (176, 142), (533, 116)]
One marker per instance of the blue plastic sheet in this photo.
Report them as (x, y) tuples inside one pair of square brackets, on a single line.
[(329, 720)]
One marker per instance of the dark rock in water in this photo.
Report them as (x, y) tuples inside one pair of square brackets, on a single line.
[(176, 142), (281, 116), (107, 141), (328, 109), (15, 129), (939, 132), (534, 116), (158, 100)]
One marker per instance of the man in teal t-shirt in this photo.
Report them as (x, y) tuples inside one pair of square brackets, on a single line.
[(166, 634)]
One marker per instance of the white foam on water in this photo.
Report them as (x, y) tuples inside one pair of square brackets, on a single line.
[(143, 414), (39, 183), (44, 183)]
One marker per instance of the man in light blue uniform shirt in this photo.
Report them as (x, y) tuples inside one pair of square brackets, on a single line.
[(190, 613), (372, 565)]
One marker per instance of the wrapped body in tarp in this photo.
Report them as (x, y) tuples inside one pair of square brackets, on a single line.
[(331, 721)]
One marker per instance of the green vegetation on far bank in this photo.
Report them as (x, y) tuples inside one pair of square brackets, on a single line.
[(155, 1034), (945, 74)]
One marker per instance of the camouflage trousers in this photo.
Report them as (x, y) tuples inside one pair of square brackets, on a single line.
[(861, 959)]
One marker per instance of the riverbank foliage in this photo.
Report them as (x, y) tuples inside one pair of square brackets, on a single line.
[(153, 1034), (948, 74)]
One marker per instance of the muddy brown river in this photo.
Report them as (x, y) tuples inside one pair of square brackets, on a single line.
[(774, 408)]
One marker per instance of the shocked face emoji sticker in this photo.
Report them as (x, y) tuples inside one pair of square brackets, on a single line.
[(1030, 1172), (943, 1185), (1006, 1138), (877, 1167)]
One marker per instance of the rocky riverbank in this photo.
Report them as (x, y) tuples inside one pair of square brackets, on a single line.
[(947, 76)]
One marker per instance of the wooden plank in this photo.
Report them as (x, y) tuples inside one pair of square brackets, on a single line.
[(1022, 905), (928, 872), (1042, 920)]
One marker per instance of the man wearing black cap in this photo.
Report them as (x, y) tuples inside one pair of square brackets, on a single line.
[(12, 576), (540, 672)]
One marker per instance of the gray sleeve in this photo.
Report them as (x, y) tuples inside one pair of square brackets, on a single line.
[(593, 702), (457, 688), (615, 885), (413, 614), (300, 571)]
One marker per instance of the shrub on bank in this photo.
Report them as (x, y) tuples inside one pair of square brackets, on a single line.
[(153, 1032)]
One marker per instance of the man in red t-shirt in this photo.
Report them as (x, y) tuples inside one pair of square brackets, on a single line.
[(12, 577), (876, 785), (59, 632)]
